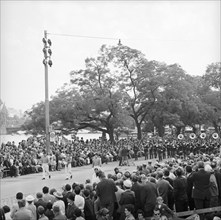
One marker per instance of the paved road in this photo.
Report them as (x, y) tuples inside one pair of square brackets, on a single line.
[(32, 183)]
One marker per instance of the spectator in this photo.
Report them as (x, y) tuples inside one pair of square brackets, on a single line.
[(46, 196), (79, 200), (105, 190), (89, 206), (30, 206), (41, 213), (59, 202), (23, 213), (15, 207), (57, 213), (180, 192), (71, 206)]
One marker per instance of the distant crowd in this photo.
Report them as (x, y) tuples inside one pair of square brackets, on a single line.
[(154, 191), (25, 158)]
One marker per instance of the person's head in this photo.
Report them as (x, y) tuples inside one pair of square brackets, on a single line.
[(188, 169), (128, 209), (86, 193), (41, 210), (49, 205), (157, 214), (77, 212), (166, 172), (30, 199), (56, 209), (159, 174), (140, 214), (116, 170), (101, 175), (45, 189), (52, 191), (19, 196), (39, 195), (6, 209), (127, 184), (200, 165), (179, 172), (21, 203), (67, 187), (159, 200), (77, 190), (103, 212), (71, 198)]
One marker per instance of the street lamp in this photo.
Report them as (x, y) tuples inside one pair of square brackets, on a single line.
[(47, 61)]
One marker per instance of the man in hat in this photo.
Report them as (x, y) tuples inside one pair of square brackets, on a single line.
[(127, 197), (59, 202), (30, 206)]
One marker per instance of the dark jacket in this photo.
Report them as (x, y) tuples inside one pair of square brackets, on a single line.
[(201, 184), (180, 189)]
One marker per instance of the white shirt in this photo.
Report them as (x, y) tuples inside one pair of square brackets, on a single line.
[(79, 201), (61, 205)]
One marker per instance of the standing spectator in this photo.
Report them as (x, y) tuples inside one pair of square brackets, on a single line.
[(49, 211), (128, 210), (180, 192), (166, 173), (40, 201), (41, 213), (89, 206), (15, 207), (30, 206), (66, 194), (57, 214), (105, 190), (148, 196), (71, 206), (79, 200), (127, 197), (23, 213), (46, 196), (217, 174), (213, 187), (59, 202), (201, 184), (163, 187), (189, 173)]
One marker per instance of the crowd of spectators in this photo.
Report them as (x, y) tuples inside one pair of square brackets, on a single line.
[(152, 191), (24, 158)]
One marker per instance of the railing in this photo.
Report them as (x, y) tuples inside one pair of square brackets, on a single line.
[(197, 211)]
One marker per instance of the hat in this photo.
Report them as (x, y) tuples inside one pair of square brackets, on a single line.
[(128, 183), (30, 198), (58, 195)]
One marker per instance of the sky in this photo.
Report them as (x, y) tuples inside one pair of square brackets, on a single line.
[(183, 32)]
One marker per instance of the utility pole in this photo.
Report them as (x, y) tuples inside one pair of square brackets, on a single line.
[(47, 61)]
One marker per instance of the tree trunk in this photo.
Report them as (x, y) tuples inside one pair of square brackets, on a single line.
[(103, 136), (111, 135), (161, 130)]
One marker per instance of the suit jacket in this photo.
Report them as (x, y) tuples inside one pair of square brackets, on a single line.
[(23, 214), (127, 197), (136, 187), (105, 190), (60, 217), (148, 196), (70, 210), (201, 184), (180, 189), (164, 210), (163, 187)]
